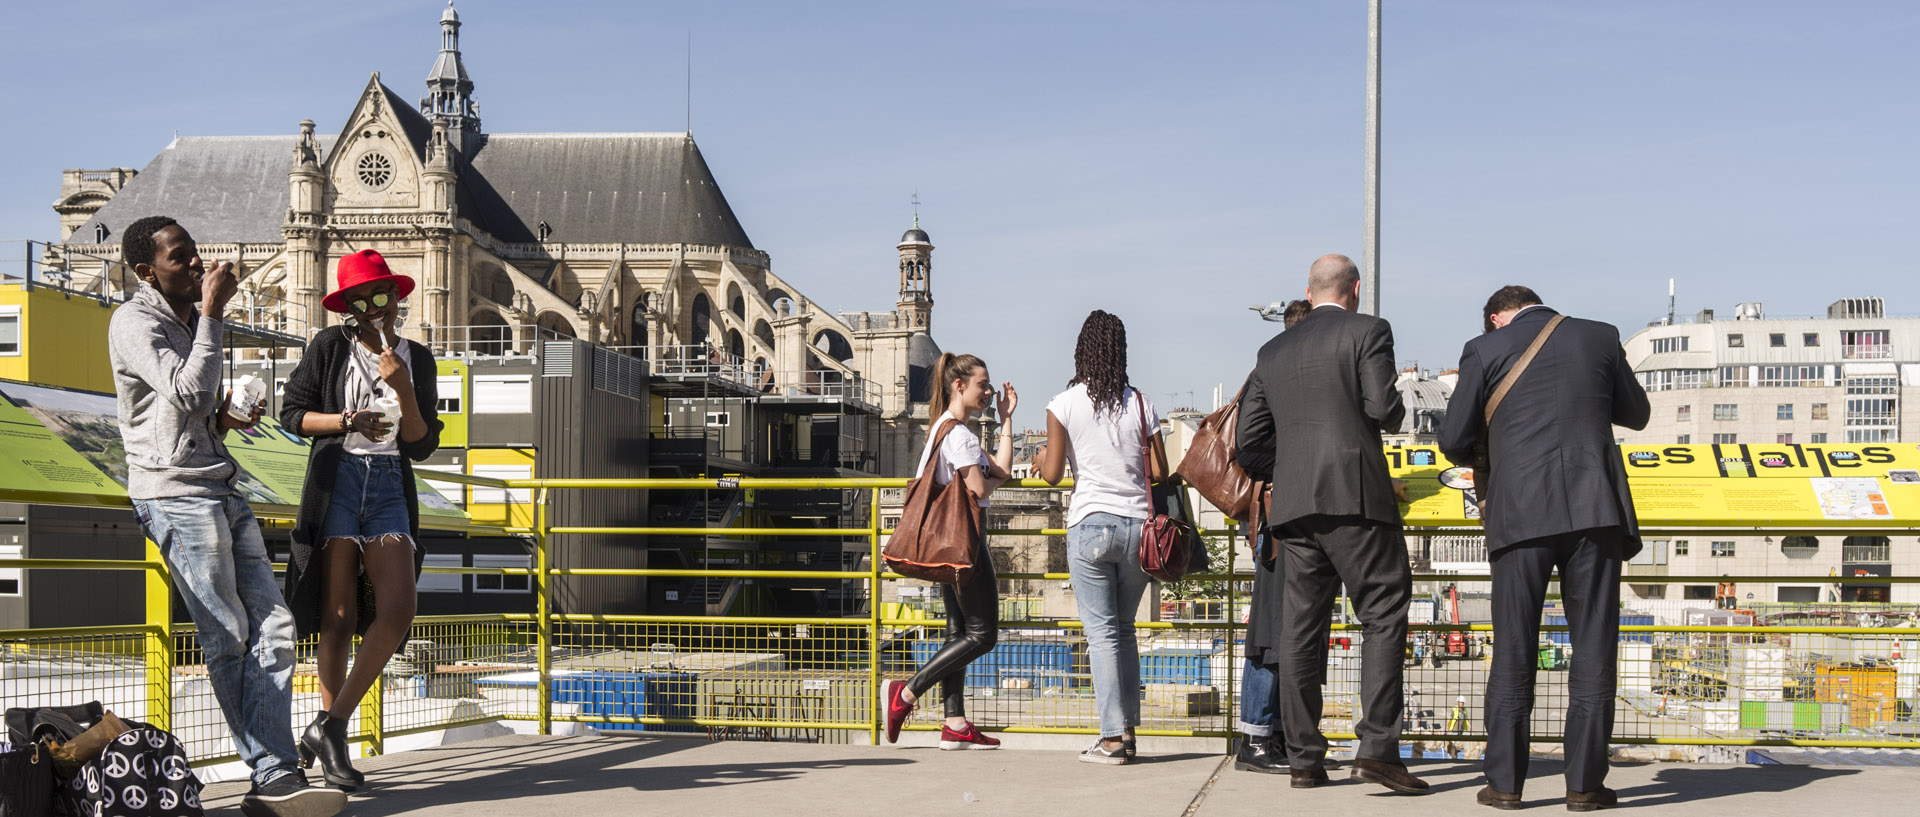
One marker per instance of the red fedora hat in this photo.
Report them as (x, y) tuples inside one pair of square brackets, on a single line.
[(363, 267)]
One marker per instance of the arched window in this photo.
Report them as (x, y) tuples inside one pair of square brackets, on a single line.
[(492, 283), (736, 303), (736, 346), (763, 374), (637, 330), (700, 321), (763, 333), (489, 334), (833, 344), (556, 323)]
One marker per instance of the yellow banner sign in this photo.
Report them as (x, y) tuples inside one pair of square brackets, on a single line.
[(1812, 486)]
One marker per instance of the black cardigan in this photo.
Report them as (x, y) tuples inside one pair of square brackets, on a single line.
[(319, 384)]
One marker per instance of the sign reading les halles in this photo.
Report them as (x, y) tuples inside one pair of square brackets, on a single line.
[(1693, 485), (1778, 460)]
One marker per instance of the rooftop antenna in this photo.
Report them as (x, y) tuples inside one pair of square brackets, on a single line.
[(1670, 302), (689, 82)]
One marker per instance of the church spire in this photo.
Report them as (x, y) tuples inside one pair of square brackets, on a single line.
[(449, 91)]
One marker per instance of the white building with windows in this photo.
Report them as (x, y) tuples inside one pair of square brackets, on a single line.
[(1840, 378)]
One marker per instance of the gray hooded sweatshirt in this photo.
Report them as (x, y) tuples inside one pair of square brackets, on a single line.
[(167, 375)]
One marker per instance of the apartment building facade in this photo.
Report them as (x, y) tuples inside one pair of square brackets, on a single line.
[(1843, 377)]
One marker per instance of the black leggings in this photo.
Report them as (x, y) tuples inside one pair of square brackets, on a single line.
[(973, 627)]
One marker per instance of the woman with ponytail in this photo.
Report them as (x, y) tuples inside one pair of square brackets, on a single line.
[(1100, 424), (961, 391)]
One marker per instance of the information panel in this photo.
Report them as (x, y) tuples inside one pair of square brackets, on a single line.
[(68, 441), (1842, 485)]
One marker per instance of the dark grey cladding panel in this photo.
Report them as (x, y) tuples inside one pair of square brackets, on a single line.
[(222, 188), (595, 188)]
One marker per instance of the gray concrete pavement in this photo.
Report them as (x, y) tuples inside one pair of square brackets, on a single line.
[(578, 776)]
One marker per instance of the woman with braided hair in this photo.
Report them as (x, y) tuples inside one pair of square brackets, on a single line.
[(1108, 432)]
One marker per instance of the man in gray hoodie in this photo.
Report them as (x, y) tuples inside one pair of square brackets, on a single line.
[(165, 348)]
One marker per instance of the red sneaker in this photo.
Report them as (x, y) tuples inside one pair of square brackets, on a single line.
[(897, 709), (968, 738)]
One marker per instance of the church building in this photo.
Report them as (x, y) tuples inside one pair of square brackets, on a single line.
[(620, 239)]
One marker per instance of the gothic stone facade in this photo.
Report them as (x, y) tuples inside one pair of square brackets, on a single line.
[(622, 239)]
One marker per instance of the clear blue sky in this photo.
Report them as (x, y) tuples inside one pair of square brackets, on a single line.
[(1170, 162)]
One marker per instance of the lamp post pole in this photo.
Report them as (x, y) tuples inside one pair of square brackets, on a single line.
[(1370, 289)]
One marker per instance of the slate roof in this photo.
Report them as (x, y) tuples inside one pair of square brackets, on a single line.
[(416, 125), (221, 188), (594, 188), (589, 187)]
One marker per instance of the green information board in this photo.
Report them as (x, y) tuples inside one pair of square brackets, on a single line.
[(59, 440)]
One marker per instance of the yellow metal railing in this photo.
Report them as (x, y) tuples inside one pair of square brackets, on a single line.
[(602, 664)]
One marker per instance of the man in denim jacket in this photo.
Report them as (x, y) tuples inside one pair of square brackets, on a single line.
[(165, 348)]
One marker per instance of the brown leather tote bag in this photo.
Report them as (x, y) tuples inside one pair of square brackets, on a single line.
[(939, 526), (1209, 465)]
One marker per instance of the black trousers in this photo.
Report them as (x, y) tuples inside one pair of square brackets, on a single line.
[(973, 627), (1589, 563), (1370, 558)]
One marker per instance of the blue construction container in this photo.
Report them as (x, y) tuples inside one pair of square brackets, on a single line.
[(631, 695), (1178, 665), (1048, 663), (617, 694), (1563, 637)]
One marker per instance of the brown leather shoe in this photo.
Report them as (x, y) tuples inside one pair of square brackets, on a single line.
[(1308, 778), (1595, 800), (1499, 800), (1392, 775)]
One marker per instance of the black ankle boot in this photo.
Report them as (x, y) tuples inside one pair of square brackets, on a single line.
[(326, 739), (1256, 754)]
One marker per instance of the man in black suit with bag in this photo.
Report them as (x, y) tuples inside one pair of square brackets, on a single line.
[(1316, 403), (1554, 494)]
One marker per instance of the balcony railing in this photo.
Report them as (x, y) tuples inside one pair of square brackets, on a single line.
[(819, 677), (1866, 554)]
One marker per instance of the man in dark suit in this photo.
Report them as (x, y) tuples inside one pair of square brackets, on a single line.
[(1555, 496), (1320, 394)]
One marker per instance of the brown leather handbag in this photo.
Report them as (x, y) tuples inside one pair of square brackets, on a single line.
[(1167, 545), (939, 528), (1209, 464), (1482, 464)]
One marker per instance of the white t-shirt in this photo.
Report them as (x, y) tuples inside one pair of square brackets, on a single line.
[(961, 446), (362, 387), (1109, 468)]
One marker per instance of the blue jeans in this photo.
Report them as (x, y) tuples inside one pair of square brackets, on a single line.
[(219, 563), (1103, 558), (369, 499), (1259, 699)]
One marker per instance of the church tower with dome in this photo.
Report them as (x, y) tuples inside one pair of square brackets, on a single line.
[(916, 281)]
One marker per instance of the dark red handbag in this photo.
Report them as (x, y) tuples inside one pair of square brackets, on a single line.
[(1167, 545), (939, 526)]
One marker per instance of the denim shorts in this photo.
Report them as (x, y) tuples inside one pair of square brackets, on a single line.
[(369, 499)]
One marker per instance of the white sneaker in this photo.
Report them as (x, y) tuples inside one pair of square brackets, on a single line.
[(1099, 753)]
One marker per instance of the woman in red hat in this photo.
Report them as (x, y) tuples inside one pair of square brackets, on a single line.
[(366, 398)]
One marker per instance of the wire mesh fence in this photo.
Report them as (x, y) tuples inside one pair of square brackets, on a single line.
[(1816, 674)]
